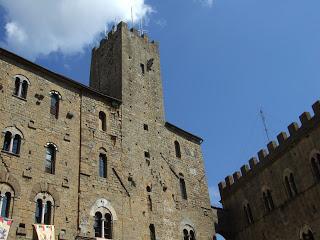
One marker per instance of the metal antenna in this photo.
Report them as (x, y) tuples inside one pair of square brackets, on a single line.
[(264, 122), (132, 17), (141, 30)]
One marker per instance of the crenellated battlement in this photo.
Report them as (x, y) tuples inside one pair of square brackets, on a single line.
[(122, 26), (274, 150)]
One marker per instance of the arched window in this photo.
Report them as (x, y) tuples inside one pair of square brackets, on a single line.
[(16, 144), (177, 148), (21, 86), (7, 141), (315, 163), (185, 234), (44, 208), (24, 90), (306, 234), (17, 86), (54, 107), (5, 208), (47, 213), (152, 232), (192, 237), (50, 159), (103, 225), (38, 214), (98, 224), (103, 165), (12, 141), (268, 201), (6, 195), (108, 226), (290, 185), (183, 188), (102, 121), (248, 213), (188, 233)]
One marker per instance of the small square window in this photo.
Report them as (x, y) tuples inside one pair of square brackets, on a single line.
[(145, 127), (147, 154)]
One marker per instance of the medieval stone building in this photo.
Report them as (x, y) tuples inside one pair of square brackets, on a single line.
[(277, 197), (99, 161)]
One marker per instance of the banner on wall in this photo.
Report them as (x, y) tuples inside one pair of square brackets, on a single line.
[(44, 232), (5, 225)]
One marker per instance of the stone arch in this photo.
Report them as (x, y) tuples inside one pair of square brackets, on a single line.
[(186, 222), (22, 78), (104, 206), (42, 188), (7, 178), (55, 93), (14, 130), (305, 230)]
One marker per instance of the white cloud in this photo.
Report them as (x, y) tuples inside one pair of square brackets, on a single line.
[(37, 27), (206, 3), (214, 196)]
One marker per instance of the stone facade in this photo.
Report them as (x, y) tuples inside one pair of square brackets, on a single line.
[(277, 196), (144, 174)]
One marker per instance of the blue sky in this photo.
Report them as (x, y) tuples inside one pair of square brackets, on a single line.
[(221, 63)]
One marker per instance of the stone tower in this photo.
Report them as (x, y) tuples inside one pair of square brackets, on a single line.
[(126, 66)]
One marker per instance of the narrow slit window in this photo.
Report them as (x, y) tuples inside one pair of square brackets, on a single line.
[(142, 68), (103, 165), (50, 159), (177, 149), (183, 188), (152, 232), (102, 121), (55, 102)]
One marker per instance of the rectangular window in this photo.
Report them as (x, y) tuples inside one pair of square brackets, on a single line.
[(103, 166), (145, 127)]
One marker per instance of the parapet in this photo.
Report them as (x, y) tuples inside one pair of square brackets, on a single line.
[(274, 150), (122, 26)]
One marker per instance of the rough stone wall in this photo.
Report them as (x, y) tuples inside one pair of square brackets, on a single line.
[(25, 173), (139, 148), (291, 215), (142, 103)]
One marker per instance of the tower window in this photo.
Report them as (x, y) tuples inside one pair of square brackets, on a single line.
[(145, 127), (44, 209), (152, 232), (177, 148), (290, 185), (268, 201), (103, 225), (183, 188), (5, 200), (103, 165), (12, 143), (102, 121), (50, 158), (248, 213), (315, 163), (54, 107), (142, 68), (21, 87)]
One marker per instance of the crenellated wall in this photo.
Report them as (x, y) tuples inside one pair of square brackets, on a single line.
[(291, 215), (274, 150)]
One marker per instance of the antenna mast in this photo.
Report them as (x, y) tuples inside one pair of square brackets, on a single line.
[(264, 122), (141, 30)]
